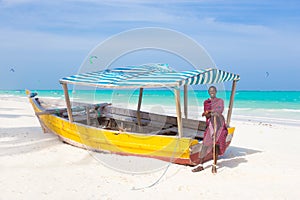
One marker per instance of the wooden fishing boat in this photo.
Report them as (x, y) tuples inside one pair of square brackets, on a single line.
[(104, 127)]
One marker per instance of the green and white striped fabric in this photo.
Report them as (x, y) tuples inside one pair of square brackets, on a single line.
[(149, 76)]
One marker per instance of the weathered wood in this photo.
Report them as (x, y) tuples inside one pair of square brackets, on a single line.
[(231, 103), (185, 93), (110, 111), (133, 120), (79, 108), (50, 112), (192, 133), (186, 123), (58, 111), (83, 118), (67, 99), (90, 106), (139, 106), (194, 124), (144, 115), (164, 131), (149, 121), (88, 119), (178, 112)]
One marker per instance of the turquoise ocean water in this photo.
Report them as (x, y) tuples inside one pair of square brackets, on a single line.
[(260, 106)]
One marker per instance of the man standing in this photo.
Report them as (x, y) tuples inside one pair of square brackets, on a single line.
[(215, 127)]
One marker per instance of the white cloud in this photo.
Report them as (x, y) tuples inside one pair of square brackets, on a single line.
[(33, 40), (15, 2)]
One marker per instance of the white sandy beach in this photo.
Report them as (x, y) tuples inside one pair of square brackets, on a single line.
[(261, 163)]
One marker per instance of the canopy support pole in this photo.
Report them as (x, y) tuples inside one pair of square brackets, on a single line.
[(67, 99), (178, 112), (139, 106), (231, 102), (88, 118), (185, 101)]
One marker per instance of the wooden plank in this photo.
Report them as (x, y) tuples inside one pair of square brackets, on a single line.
[(133, 120), (192, 133), (164, 131), (144, 115), (231, 103), (151, 125), (147, 119), (186, 123), (90, 106), (50, 112), (67, 99), (194, 124), (63, 110)]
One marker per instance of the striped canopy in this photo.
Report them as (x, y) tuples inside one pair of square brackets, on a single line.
[(149, 76)]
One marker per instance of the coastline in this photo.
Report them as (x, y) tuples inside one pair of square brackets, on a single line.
[(270, 116), (261, 163)]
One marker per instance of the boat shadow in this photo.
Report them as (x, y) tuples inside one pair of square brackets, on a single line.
[(235, 156), (24, 140)]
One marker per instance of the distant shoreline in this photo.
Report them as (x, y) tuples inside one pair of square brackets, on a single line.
[(23, 90)]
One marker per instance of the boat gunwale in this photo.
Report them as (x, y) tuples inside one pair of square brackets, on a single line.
[(43, 109)]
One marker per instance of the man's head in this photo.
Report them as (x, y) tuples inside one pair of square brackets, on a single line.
[(212, 91)]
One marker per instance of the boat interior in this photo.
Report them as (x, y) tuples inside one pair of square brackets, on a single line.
[(106, 116)]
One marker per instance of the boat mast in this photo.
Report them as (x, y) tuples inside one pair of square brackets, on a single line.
[(185, 90), (67, 99), (231, 102), (178, 112)]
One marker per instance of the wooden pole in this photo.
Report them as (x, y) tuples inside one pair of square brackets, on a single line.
[(185, 91), (215, 156), (67, 99), (88, 118), (139, 106), (178, 112), (231, 103)]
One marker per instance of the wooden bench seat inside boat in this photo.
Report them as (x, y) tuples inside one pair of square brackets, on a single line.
[(108, 117), (153, 123)]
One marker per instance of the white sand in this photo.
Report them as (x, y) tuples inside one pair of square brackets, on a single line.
[(261, 163)]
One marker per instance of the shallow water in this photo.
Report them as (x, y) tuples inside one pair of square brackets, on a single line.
[(262, 106)]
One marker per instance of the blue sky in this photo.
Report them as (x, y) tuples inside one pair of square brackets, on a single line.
[(44, 41)]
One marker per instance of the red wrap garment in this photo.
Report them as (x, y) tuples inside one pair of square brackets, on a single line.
[(215, 106)]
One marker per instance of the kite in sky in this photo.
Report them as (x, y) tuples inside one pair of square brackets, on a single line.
[(267, 74), (91, 59)]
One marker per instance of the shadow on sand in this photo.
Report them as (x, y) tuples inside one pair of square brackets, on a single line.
[(235, 156), (13, 110), (24, 140), (14, 116)]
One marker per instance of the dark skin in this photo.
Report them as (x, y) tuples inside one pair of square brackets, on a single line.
[(212, 93)]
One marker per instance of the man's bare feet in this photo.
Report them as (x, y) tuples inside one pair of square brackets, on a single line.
[(198, 169), (214, 169)]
